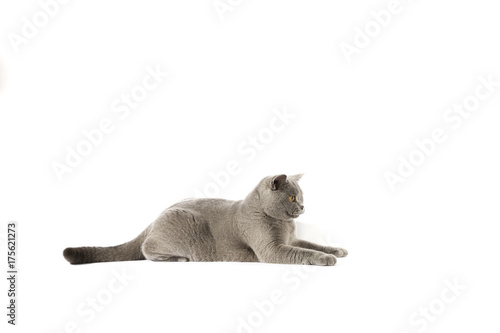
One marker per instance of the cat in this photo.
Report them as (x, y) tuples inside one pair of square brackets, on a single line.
[(259, 228)]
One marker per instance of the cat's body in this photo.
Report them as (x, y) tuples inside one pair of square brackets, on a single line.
[(259, 228)]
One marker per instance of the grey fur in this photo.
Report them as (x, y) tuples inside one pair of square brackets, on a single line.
[(259, 228)]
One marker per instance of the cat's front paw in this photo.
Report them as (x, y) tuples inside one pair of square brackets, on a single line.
[(337, 251), (323, 260)]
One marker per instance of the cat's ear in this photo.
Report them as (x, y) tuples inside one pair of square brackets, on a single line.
[(278, 181), (297, 177)]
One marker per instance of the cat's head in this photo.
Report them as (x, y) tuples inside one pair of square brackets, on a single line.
[(281, 196)]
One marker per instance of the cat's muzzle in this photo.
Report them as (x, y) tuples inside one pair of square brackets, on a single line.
[(296, 213)]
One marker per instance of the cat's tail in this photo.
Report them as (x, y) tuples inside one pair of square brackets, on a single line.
[(124, 252)]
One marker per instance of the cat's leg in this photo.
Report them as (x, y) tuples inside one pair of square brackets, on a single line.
[(271, 252), (179, 235), (156, 249), (336, 251), (286, 254)]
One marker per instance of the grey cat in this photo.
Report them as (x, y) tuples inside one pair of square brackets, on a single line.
[(259, 228)]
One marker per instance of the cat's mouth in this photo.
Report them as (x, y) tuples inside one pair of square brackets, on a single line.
[(295, 214)]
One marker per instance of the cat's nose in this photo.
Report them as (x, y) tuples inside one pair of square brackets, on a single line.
[(302, 207)]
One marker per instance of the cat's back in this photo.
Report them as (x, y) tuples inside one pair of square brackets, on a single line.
[(208, 207), (215, 216)]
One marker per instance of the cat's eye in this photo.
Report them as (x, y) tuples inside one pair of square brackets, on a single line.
[(292, 198)]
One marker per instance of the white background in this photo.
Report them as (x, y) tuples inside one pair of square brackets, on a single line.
[(352, 121)]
